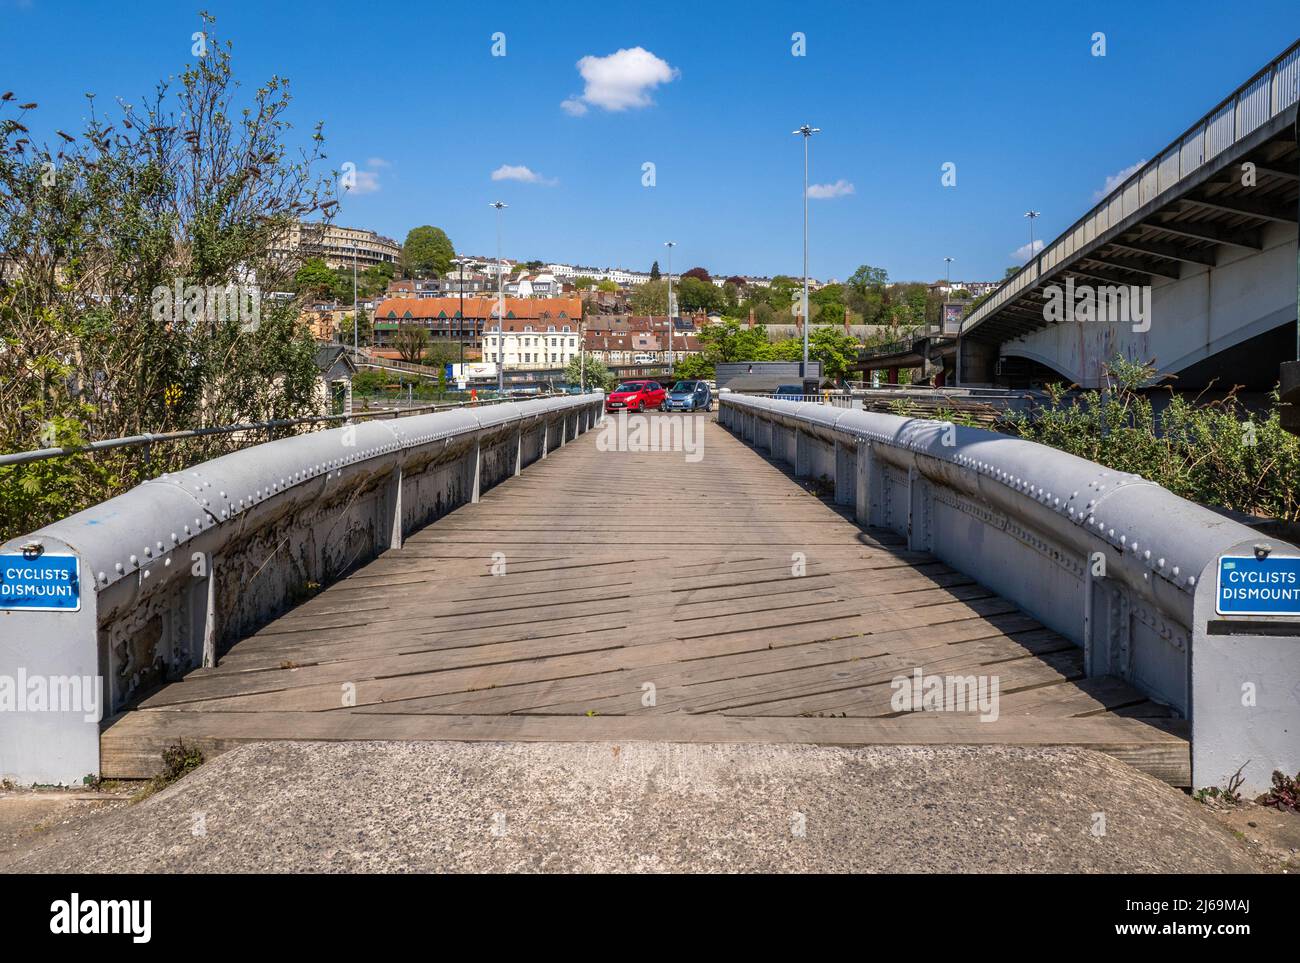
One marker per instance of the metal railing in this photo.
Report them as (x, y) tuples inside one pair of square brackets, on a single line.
[(1114, 562), (151, 438), (1268, 93)]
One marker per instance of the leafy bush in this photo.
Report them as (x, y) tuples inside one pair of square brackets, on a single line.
[(192, 188), (1214, 452)]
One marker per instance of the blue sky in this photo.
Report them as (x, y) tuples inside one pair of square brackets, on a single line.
[(410, 92)]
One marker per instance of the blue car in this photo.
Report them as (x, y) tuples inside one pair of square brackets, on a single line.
[(690, 396)]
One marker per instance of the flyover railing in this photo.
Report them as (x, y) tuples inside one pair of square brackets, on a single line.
[(1271, 91), (145, 586), (1114, 562)]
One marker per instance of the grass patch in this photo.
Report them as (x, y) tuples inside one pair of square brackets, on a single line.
[(178, 760)]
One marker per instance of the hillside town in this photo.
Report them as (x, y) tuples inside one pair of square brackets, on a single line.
[(480, 317)]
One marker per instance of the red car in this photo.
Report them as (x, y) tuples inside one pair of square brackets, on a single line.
[(636, 396)]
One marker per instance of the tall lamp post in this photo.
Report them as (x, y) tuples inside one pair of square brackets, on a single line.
[(501, 307), (460, 283), (806, 132), (947, 288), (1032, 215), (356, 350), (670, 245)]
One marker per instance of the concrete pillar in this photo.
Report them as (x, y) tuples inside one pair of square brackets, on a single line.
[(845, 474), (476, 468), (802, 454), (918, 511), (393, 504), (519, 451), (867, 487)]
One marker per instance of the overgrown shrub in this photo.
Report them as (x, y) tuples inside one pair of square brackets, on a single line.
[(1211, 451)]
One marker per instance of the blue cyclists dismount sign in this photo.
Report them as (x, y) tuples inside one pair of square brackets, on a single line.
[(1258, 586), (40, 582)]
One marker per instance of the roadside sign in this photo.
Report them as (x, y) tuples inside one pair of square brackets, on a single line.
[(50, 583), (1258, 586)]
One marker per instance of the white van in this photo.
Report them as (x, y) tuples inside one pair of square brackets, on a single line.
[(643, 359)]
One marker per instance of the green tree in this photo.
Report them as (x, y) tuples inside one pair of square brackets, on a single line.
[(696, 295), (411, 343), (606, 285), (192, 190), (427, 251), (314, 279), (693, 366), (650, 298), (654, 271), (588, 371), (582, 282)]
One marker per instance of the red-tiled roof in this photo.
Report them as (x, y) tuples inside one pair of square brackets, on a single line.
[(549, 310)]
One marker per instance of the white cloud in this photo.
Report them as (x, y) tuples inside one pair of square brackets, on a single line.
[(367, 183), (1115, 180), (619, 81), (364, 180), (1022, 253), (821, 192), (518, 172)]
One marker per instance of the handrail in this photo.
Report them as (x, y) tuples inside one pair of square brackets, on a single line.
[(1119, 565), (1282, 90), (150, 438), (163, 575)]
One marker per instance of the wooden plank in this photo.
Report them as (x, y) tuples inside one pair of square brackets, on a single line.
[(738, 647)]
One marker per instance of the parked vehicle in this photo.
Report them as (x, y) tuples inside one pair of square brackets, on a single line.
[(690, 396), (636, 396), (643, 359), (789, 392)]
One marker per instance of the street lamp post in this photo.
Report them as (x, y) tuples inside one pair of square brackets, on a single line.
[(670, 245), (1031, 215), (356, 350), (460, 283), (501, 307), (806, 131), (947, 289)]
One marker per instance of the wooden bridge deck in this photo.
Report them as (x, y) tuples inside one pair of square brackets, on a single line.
[(631, 571)]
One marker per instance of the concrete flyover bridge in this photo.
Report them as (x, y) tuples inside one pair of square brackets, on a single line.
[(1209, 226), (536, 572)]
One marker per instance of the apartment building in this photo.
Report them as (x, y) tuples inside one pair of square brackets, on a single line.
[(337, 246), (548, 341), (442, 319)]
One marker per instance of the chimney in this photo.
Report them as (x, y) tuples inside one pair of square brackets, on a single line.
[(751, 317), (846, 321)]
